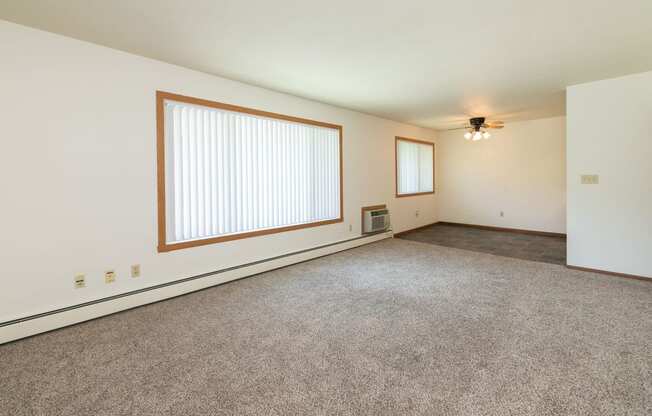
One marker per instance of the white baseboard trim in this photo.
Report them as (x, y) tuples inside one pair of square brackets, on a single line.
[(74, 314)]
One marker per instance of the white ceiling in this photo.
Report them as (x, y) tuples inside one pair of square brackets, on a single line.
[(431, 63)]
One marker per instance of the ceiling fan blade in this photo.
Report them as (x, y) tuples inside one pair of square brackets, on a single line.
[(492, 126), (458, 128), (495, 123)]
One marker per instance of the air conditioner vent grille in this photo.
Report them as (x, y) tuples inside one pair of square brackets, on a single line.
[(378, 223), (375, 220)]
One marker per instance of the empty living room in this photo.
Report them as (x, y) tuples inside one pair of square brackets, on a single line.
[(228, 207)]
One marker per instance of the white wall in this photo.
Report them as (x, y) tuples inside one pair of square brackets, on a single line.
[(520, 171), (78, 174), (610, 224)]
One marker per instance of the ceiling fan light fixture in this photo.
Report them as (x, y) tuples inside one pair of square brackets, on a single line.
[(477, 128)]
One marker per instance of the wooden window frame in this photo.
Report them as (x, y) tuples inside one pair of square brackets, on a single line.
[(163, 245), (407, 139)]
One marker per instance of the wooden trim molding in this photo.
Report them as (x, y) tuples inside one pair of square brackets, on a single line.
[(238, 109), (608, 273), (407, 139), (369, 208), (415, 229), (508, 230), (163, 245), (160, 169)]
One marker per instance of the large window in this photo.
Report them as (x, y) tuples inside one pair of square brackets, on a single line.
[(227, 172), (415, 164)]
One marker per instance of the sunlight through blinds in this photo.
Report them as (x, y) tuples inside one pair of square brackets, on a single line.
[(229, 172), (414, 167)]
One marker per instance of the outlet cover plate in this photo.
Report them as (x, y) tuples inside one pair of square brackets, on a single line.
[(135, 270), (109, 276), (590, 179), (80, 281)]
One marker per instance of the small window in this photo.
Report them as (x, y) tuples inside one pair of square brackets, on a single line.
[(415, 162), (228, 172)]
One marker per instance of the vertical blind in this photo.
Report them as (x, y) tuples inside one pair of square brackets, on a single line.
[(229, 172), (414, 167)]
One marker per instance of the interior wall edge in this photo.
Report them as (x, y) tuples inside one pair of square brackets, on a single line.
[(610, 273), (414, 229), (505, 229)]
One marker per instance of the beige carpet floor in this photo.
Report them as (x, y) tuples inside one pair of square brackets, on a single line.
[(392, 328)]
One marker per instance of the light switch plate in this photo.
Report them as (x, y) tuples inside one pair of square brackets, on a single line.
[(590, 179)]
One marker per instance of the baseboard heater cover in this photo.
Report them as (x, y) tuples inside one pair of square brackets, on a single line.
[(43, 322)]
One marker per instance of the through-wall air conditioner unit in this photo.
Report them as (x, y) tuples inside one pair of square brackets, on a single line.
[(375, 220)]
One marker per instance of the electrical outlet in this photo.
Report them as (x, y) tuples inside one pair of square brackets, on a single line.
[(502, 214), (109, 276), (590, 179), (135, 270), (416, 214), (350, 227), (80, 280)]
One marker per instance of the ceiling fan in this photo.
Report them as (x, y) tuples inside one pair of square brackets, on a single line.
[(477, 128)]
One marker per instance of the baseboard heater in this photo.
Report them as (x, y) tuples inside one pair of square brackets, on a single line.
[(35, 324)]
